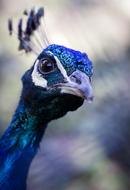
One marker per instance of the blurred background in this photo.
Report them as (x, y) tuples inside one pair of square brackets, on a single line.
[(88, 149)]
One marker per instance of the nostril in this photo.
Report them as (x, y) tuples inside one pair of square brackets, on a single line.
[(73, 78), (90, 99), (90, 79)]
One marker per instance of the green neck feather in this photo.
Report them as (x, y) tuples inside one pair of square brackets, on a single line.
[(18, 146)]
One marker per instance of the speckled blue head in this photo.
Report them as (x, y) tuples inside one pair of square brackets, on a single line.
[(70, 70), (60, 76), (71, 59)]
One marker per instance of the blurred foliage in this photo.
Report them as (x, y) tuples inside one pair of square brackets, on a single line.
[(89, 148)]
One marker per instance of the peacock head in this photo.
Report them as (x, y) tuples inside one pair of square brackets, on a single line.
[(60, 79), (58, 82)]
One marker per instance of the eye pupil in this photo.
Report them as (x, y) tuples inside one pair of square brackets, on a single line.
[(46, 66)]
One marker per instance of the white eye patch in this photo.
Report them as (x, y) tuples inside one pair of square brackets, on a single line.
[(38, 79), (62, 69)]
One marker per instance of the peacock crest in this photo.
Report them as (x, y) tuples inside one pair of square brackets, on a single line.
[(32, 37)]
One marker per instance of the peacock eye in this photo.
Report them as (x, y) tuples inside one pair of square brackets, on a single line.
[(46, 66)]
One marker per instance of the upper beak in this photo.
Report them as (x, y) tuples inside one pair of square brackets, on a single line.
[(79, 84)]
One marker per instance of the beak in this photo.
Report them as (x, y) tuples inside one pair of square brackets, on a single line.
[(79, 84)]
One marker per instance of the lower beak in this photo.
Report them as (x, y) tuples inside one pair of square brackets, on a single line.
[(79, 85)]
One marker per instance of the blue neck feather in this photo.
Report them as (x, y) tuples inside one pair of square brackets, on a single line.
[(18, 146)]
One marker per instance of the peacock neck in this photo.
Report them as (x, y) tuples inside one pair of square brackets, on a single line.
[(18, 146)]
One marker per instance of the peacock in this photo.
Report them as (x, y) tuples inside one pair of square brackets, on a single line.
[(59, 81)]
